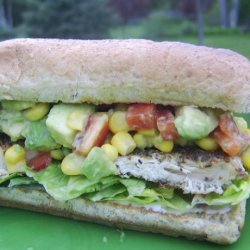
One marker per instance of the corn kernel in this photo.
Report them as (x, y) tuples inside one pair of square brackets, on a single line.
[(14, 154), (246, 159), (247, 131), (111, 151), (77, 120), (207, 143), (123, 142), (148, 132), (37, 112), (241, 123), (118, 123), (162, 145), (57, 154), (18, 167), (72, 164), (140, 140)]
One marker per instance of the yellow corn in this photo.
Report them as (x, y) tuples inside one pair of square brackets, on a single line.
[(14, 154), (207, 143), (247, 131), (37, 112), (140, 140), (245, 157), (111, 151), (123, 142), (118, 123), (15, 159), (72, 164), (148, 132), (164, 146), (77, 120), (17, 167), (57, 154), (246, 160), (241, 123)]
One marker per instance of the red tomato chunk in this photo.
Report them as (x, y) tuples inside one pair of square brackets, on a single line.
[(228, 136), (227, 125), (165, 124), (95, 133), (141, 116), (40, 161)]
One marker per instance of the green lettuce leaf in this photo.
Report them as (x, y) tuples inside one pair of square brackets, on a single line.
[(141, 195), (167, 193), (21, 181), (8, 177), (97, 165), (38, 137), (63, 187), (109, 181), (146, 197), (108, 193), (16, 105), (176, 202), (13, 123), (234, 194), (135, 187)]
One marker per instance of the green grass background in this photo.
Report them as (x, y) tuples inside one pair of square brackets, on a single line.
[(239, 42)]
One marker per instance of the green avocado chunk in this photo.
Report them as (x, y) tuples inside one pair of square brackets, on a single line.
[(38, 137), (57, 122), (193, 123)]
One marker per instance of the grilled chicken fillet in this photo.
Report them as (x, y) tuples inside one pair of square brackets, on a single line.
[(190, 169)]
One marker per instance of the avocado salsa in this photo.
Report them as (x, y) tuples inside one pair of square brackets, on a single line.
[(71, 149)]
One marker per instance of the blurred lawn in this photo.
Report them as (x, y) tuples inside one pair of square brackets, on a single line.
[(239, 42)]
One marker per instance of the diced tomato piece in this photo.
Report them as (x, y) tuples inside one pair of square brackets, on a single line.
[(165, 124), (141, 116), (40, 161), (227, 125), (228, 136), (95, 134), (232, 145)]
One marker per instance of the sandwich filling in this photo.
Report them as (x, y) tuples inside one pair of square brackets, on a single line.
[(149, 155)]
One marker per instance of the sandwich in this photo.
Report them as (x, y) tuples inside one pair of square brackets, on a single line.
[(134, 134)]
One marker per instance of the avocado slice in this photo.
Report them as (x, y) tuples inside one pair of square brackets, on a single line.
[(57, 122), (193, 123)]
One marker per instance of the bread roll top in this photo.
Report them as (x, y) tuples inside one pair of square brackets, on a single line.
[(123, 71)]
